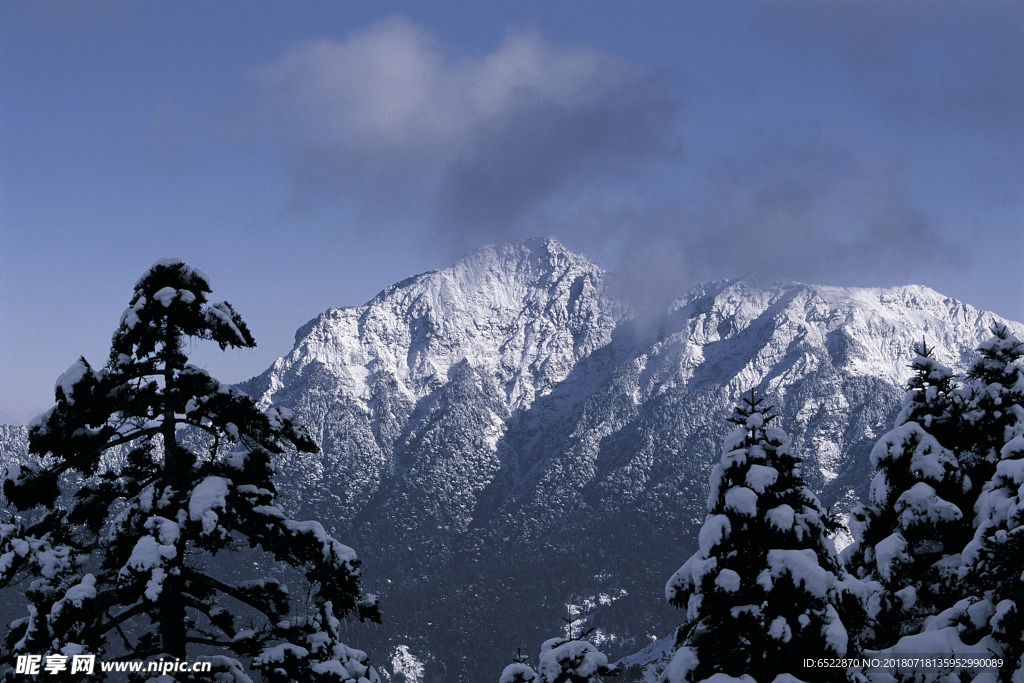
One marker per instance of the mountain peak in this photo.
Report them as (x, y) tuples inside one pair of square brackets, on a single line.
[(535, 256), (525, 312)]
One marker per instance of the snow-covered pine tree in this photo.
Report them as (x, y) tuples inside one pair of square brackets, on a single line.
[(143, 471), (909, 534), (519, 671), (992, 560), (992, 391), (562, 660), (765, 589)]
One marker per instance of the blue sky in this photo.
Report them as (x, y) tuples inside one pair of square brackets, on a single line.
[(308, 154)]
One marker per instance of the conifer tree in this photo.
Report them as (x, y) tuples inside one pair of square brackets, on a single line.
[(765, 589), (519, 671), (142, 472), (562, 660), (992, 391), (985, 430), (992, 560), (908, 535)]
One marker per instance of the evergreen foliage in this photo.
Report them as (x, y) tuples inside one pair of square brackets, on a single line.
[(519, 671), (992, 395), (562, 660), (146, 470), (992, 559), (765, 589), (954, 558), (908, 535)]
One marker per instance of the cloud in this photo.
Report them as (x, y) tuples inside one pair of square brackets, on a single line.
[(820, 213), (476, 143), (533, 139), (807, 211)]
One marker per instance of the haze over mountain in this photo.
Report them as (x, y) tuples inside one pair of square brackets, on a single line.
[(504, 443)]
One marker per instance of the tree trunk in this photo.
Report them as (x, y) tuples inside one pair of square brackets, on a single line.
[(176, 475)]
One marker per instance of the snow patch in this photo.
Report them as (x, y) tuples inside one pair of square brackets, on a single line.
[(803, 567), (741, 500), (208, 496), (760, 477), (728, 580), (888, 552), (781, 517), (715, 528), (405, 663)]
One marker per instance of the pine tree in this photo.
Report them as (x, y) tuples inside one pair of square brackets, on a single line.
[(765, 589), (146, 469), (562, 660), (986, 432), (992, 391), (908, 536), (519, 671), (992, 560)]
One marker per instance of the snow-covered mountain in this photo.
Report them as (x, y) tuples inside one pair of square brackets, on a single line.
[(505, 446), (501, 441)]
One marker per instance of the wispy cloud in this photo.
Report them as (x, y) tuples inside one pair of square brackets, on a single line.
[(808, 211), (534, 138), (475, 143)]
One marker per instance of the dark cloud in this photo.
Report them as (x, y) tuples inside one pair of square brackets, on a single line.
[(540, 149), (813, 213), (819, 213), (388, 119), (537, 139)]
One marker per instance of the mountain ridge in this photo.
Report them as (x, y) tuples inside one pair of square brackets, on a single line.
[(503, 438), (506, 407)]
